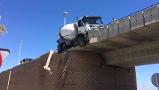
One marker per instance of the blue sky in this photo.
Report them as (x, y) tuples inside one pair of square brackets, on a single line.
[(37, 23)]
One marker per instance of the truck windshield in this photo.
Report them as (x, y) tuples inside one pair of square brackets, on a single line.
[(92, 20)]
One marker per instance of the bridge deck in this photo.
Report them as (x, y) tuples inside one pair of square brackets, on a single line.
[(140, 28)]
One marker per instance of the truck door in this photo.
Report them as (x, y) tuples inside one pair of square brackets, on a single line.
[(81, 27)]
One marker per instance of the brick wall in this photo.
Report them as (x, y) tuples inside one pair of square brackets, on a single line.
[(70, 71)]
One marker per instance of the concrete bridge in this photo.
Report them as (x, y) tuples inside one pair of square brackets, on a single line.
[(125, 43), (130, 41)]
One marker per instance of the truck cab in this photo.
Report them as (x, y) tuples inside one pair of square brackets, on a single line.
[(87, 23)]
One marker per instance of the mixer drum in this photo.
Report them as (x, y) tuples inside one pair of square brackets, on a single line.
[(69, 31)]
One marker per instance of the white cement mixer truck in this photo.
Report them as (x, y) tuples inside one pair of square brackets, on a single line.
[(76, 34)]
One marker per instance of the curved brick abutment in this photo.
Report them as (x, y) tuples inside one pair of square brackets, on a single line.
[(74, 70)]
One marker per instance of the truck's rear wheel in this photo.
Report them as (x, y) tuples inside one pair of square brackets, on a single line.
[(60, 49), (81, 42)]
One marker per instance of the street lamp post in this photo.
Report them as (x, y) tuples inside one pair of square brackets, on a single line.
[(65, 15)]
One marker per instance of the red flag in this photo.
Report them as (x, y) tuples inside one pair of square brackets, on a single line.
[(3, 54), (0, 59)]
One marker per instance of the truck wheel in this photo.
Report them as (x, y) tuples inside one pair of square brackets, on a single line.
[(64, 47), (60, 49), (81, 42)]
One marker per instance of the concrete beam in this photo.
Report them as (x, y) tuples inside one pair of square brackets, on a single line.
[(144, 53)]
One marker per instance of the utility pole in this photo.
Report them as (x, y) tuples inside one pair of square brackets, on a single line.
[(20, 49)]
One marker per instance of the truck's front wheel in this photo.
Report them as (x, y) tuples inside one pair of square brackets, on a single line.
[(81, 42), (64, 46)]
